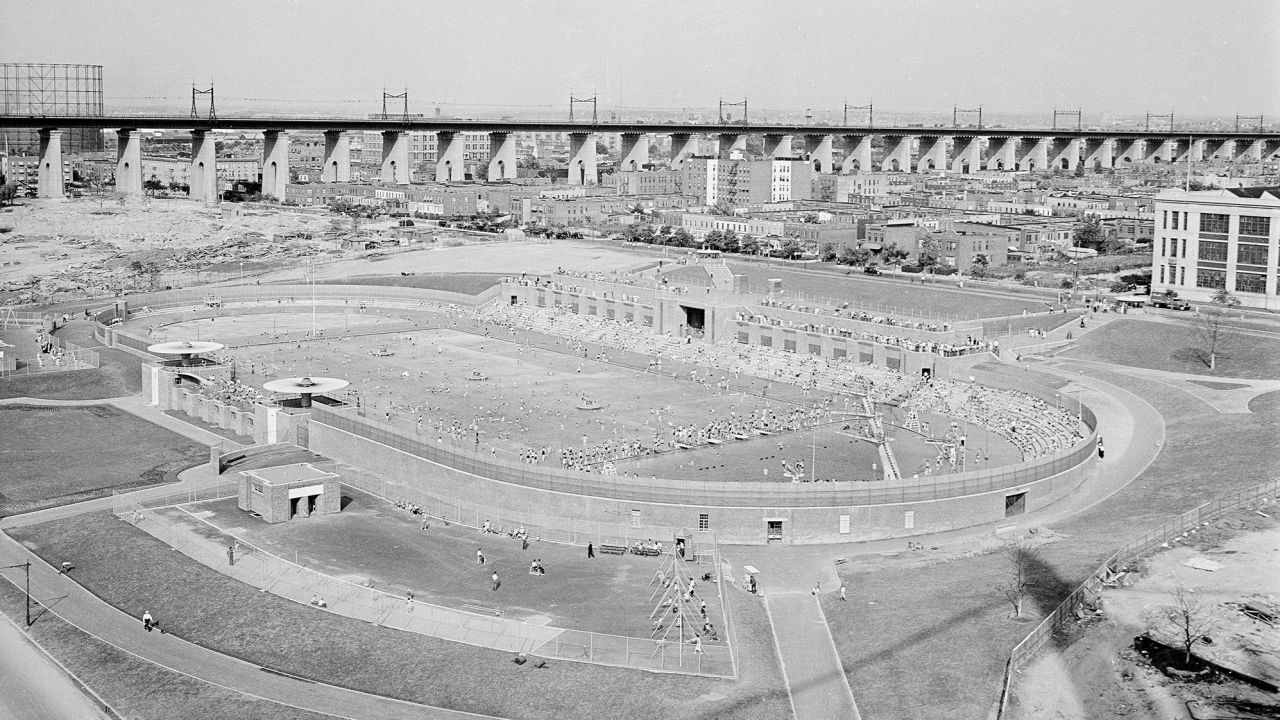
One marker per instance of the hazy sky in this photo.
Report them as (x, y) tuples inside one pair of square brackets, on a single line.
[(1194, 57)]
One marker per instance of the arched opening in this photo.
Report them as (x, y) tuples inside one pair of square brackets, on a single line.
[(502, 169), (1156, 159), (928, 165), (999, 164), (392, 167), (448, 170), (1097, 164), (894, 166), (1065, 164), (964, 166), (856, 166), (817, 165)]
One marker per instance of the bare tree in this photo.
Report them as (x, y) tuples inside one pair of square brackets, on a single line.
[(1018, 582), (1211, 331), (1188, 620)]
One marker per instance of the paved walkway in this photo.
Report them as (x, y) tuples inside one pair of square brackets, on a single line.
[(68, 600), (33, 687), (815, 677), (1224, 394)]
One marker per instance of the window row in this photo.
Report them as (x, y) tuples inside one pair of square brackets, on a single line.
[(1251, 225)]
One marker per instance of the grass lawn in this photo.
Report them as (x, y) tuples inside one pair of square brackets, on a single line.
[(465, 283), (935, 641), (927, 642), (59, 455), (1164, 346), (136, 572), (138, 689)]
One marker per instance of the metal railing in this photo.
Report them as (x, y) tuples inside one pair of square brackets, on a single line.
[(1135, 549)]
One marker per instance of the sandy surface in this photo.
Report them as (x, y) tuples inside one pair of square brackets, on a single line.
[(1101, 676)]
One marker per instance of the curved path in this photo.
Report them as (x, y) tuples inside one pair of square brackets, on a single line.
[(77, 606), (816, 680)]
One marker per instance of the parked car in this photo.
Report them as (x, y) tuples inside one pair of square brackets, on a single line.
[(871, 270), (1169, 300)]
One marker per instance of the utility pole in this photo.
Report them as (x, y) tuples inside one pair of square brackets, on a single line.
[(27, 567)]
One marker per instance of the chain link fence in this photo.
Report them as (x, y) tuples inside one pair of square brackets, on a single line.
[(163, 517)]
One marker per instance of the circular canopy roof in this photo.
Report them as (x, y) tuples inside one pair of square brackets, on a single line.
[(305, 385), (184, 347)]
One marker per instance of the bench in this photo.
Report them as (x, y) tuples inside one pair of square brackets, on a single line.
[(613, 549)]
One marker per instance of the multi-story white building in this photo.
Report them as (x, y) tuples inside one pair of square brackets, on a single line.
[(1212, 240)]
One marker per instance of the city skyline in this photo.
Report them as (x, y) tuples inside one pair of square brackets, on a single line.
[(1188, 58)]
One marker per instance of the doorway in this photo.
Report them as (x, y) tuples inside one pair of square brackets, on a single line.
[(1015, 504), (773, 530)]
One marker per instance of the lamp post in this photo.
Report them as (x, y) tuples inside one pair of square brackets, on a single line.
[(27, 567)]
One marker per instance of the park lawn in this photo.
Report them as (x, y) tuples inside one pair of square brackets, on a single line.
[(137, 688), (1164, 346), (464, 283), (135, 572), (931, 641), (60, 455)]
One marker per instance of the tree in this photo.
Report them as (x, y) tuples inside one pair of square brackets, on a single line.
[(789, 249), (722, 207), (730, 242), (8, 192), (1188, 620), (152, 185), (682, 238), (827, 253), (749, 245), (1211, 332), (980, 266), (1088, 233), (714, 240), (892, 253), (930, 248), (1022, 560)]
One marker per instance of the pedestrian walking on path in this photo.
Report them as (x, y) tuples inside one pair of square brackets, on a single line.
[(479, 556), (231, 554), (842, 597), (147, 620), (496, 581), (817, 587), (591, 551)]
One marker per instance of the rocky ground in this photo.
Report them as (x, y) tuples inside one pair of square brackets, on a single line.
[(52, 250)]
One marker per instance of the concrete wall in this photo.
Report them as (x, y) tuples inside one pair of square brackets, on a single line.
[(732, 524)]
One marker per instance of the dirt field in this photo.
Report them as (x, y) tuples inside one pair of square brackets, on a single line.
[(1101, 675)]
